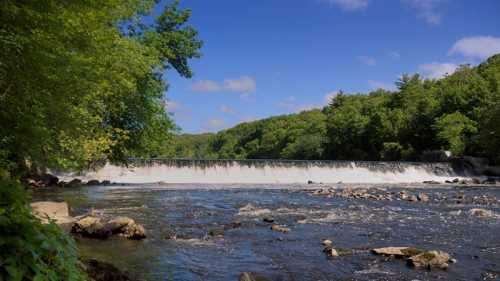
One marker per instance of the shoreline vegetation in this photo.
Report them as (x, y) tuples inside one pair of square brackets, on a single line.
[(81, 82)]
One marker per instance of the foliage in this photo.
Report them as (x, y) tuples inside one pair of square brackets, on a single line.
[(460, 112), (30, 250), (81, 81)]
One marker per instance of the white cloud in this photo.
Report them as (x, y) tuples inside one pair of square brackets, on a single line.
[(480, 47), (213, 124), (288, 102), (426, 9), (329, 96), (394, 55), (349, 5), (206, 86), (367, 60), (227, 109), (243, 85), (375, 85), (437, 70)]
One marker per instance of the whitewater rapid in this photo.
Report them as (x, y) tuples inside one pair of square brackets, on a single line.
[(266, 171)]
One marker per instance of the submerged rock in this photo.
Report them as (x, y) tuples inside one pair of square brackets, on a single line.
[(251, 210), (249, 276), (57, 211), (280, 228), (103, 271)]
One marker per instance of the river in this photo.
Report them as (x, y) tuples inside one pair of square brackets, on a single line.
[(197, 213)]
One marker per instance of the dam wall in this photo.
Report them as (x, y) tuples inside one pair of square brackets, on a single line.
[(266, 171)]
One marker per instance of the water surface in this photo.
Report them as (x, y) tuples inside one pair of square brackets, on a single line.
[(196, 212)]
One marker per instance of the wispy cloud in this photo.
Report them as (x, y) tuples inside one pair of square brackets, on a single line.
[(426, 10), (242, 85), (367, 60), (227, 109), (375, 85), (436, 70), (206, 86), (479, 47), (349, 5)]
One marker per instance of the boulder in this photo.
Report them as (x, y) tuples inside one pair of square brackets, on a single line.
[(91, 227), (268, 219), (280, 228), (330, 251), (423, 197), (56, 211), (481, 213), (40, 180), (74, 183), (126, 227), (327, 243), (93, 182), (430, 259)]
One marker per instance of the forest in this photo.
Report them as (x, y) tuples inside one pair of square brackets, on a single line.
[(459, 113)]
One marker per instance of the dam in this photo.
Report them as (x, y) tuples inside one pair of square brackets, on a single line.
[(138, 171)]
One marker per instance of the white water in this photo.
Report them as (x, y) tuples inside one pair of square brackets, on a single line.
[(274, 171)]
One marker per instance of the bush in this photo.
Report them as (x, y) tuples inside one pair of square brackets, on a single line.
[(30, 250)]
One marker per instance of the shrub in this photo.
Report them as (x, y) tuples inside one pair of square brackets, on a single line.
[(30, 250)]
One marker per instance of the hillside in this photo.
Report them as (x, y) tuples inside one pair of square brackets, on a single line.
[(459, 113)]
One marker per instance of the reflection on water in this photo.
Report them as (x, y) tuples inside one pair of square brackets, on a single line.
[(199, 216)]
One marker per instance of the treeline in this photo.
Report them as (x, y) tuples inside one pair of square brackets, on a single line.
[(459, 113)]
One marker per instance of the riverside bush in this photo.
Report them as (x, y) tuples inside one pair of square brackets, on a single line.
[(30, 250)]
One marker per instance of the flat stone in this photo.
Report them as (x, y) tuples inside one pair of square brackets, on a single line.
[(57, 211), (280, 228)]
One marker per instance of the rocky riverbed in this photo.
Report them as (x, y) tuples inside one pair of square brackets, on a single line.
[(293, 233)]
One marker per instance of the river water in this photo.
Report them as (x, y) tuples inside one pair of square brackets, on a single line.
[(209, 247)]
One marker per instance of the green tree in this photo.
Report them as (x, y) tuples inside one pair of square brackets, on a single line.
[(455, 130)]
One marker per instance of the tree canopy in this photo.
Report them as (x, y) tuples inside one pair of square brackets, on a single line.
[(459, 113), (83, 81)]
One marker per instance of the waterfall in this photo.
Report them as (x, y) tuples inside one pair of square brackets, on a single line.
[(266, 171)]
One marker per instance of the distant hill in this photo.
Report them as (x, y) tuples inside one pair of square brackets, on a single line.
[(460, 113)]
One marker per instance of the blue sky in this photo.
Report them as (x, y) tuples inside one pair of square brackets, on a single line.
[(270, 57)]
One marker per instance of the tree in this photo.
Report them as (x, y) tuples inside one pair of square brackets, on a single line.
[(455, 130)]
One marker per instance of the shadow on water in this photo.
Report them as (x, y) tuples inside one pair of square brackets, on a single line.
[(196, 216)]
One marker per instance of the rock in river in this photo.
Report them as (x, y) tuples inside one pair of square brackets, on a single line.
[(103, 271), (57, 211), (95, 227), (280, 228), (430, 259)]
